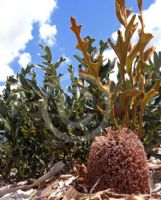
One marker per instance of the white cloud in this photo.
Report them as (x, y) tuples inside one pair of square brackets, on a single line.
[(1, 88), (24, 59), (5, 71), (110, 54), (17, 18), (152, 18), (47, 34)]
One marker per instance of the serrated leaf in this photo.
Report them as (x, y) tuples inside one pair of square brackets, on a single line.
[(57, 64), (27, 70), (49, 55), (83, 45)]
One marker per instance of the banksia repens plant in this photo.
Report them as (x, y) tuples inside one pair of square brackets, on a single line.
[(118, 160)]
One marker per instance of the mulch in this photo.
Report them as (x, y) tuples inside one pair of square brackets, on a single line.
[(58, 186)]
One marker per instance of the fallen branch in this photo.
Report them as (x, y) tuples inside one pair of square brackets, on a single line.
[(56, 169)]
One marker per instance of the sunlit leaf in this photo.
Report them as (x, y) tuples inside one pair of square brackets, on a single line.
[(140, 5), (125, 99), (83, 45), (119, 13), (148, 53)]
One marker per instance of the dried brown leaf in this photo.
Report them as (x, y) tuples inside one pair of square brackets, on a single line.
[(83, 45), (140, 5), (148, 53)]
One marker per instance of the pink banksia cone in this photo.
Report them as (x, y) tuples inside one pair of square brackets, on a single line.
[(118, 160)]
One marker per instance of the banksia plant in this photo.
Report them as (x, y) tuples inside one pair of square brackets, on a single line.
[(118, 160)]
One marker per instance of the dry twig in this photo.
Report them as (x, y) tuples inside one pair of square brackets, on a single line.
[(56, 169)]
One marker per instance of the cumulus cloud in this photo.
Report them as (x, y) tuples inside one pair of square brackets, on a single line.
[(24, 59), (17, 19), (4, 72), (1, 88), (152, 18), (110, 54), (47, 34)]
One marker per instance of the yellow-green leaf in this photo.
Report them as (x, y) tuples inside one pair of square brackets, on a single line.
[(149, 78), (157, 85)]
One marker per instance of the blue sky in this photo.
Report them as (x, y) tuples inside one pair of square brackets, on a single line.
[(31, 22), (97, 17)]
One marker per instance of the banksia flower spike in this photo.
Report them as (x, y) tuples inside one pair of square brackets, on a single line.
[(118, 160)]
